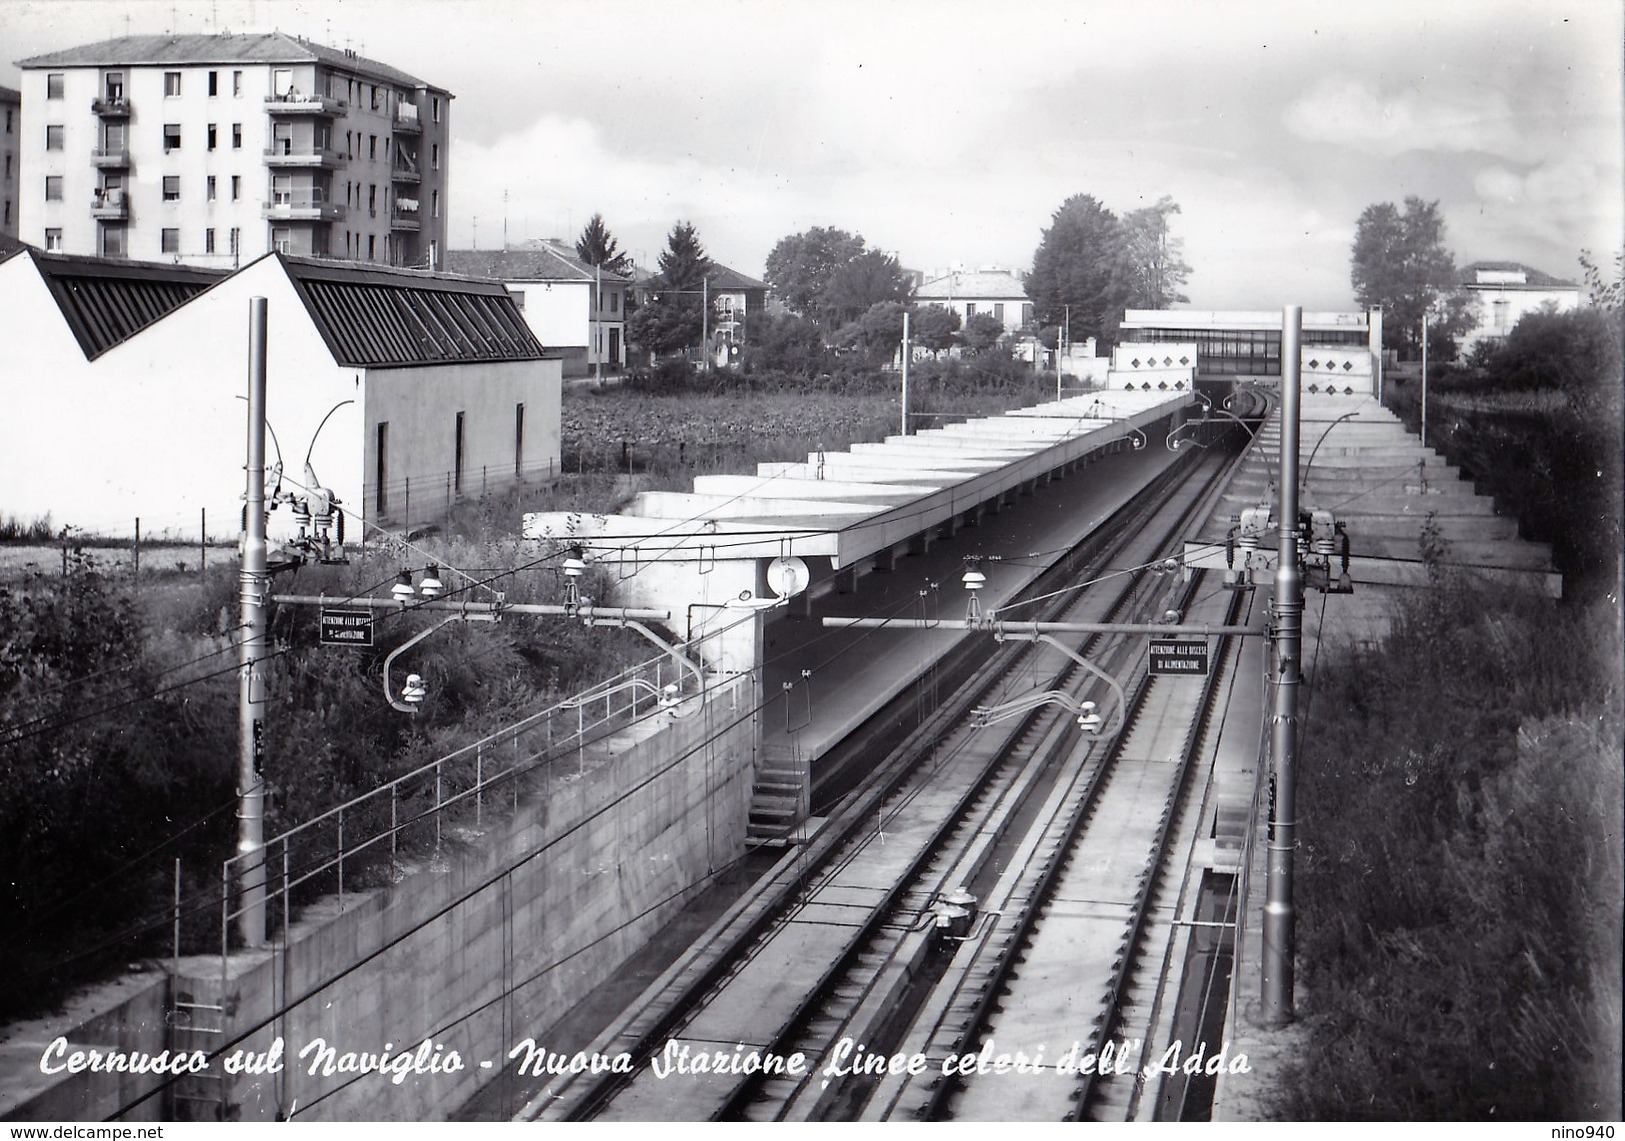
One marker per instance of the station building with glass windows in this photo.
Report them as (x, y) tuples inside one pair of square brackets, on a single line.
[(1341, 352)]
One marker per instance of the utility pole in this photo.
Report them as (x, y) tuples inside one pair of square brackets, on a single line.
[(253, 585), (1425, 378), (705, 319), (597, 323), (1287, 623), (906, 354)]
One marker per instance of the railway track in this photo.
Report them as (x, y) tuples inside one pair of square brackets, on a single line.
[(839, 958)]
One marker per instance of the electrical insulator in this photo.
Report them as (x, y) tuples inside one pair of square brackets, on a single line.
[(974, 580), (431, 586), (1088, 718), (415, 689), (403, 591)]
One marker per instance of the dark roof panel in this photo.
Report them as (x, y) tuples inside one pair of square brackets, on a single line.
[(105, 302), (536, 260), (372, 317), (264, 47)]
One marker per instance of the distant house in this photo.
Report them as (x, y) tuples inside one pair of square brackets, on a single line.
[(11, 133), (572, 307), (732, 297), (996, 292), (123, 384), (1502, 292)]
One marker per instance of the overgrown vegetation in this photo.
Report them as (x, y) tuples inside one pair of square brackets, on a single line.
[(1460, 885)]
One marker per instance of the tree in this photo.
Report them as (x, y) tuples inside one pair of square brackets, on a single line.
[(670, 321), (932, 327), (787, 342), (1154, 264), (597, 246), (982, 331), (1400, 263), (1079, 266), (1604, 293), (878, 332), (801, 267), (867, 280)]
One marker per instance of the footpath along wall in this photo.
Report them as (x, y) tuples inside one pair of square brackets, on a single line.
[(473, 952)]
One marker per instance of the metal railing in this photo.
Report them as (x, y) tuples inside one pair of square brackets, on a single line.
[(350, 844)]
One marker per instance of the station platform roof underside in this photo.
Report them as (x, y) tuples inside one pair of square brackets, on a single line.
[(857, 504)]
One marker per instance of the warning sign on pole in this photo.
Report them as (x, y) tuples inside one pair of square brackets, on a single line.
[(346, 628), (1185, 657)]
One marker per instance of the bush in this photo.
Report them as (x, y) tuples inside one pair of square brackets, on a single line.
[(1459, 882)]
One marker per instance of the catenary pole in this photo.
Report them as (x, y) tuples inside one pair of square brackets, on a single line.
[(1287, 614), (906, 354), (253, 584)]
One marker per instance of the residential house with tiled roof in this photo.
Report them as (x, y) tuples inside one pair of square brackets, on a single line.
[(215, 149), (572, 307), (999, 293), (408, 391), (730, 297), (1502, 292)]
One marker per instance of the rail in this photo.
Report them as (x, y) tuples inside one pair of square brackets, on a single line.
[(413, 809)]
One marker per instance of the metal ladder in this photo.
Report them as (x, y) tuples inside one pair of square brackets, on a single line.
[(196, 1026)]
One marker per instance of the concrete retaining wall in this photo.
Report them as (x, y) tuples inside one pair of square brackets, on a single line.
[(489, 942)]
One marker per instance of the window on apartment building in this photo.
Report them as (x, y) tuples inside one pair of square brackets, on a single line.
[(236, 83), (113, 84), (970, 311), (209, 188), (372, 247), (169, 241), (53, 85), (282, 189), (236, 187), (282, 138), (172, 137), (212, 137), (172, 188), (375, 100), (208, 240), (236, 136), (281, 81), (113, 137), (10, 126), (518, 439), (372, 148), (435, 106), (53, 188), (434, 156), (457, 457), (214, 83), (172, 84), (114, 242), (434, 203), (372, 200), (53, 137), (380, 472), (236, 239), (53, 240), (998, 311), (282, 240)]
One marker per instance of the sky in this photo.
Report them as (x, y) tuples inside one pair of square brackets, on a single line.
[(948, 133)]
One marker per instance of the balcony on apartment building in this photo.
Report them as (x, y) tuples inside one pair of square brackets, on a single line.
[(109, 205), (405, 215), (406, 119), (303, 206), (309, 158), (110, 158), (405, 168), (293, 102), (112, 107)]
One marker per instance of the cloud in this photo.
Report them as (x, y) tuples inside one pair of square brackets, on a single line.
[(1350, 112)]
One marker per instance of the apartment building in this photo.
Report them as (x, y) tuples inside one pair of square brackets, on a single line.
[(11, 128), (215, 149)]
